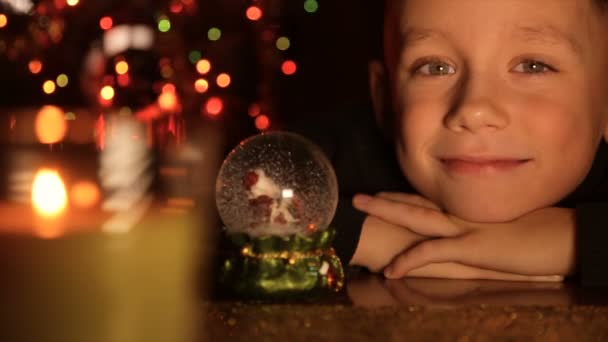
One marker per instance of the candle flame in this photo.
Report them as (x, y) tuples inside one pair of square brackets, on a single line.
[(48, 193)]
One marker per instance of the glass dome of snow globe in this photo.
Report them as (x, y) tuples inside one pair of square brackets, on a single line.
[(276, 184)]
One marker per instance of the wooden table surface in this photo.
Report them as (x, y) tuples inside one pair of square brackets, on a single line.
[(152, 284)]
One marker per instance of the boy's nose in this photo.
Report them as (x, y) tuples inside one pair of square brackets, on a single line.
[(474, 115)]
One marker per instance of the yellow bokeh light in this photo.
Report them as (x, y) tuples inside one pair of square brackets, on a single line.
[(85, 194), (201, 85), (223, 80), (48, 87), (62, 80), (107, 93), (203, 66), (72, 2), (167, 101), (3, 20), (122, 67), (50, 125), (48, 193)]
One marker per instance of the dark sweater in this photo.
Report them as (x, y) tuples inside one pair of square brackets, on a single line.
[(365, 163)]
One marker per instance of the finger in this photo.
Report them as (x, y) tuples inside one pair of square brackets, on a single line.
[(426, 252), (452, 270), (408, 199), (420, 220)]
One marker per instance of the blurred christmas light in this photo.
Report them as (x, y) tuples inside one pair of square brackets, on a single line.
[(203, 66), (214, 34), (48, 193), (176, 6), (214, 106), (289, 67), (164, 25), (283, 43), (19, 6), (123, 80), (48, 87), (194, 56), (3, 20), (223, 80), (70, 116), (85, 194), (262, 122), (121, 68), (254, 110), (106, 23), (201, 85), (62, 80), (168, 88), (50, 125), (167, 101), (107, 93), (35, 66), (72, 2), (254, 13), (311, 6), (166, 71)]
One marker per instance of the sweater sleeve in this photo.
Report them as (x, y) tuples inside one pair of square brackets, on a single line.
[(592, 244)]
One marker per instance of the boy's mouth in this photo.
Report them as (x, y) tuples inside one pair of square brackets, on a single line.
[(477, 165)]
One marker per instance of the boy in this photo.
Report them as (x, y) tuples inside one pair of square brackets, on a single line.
[(498, 112)]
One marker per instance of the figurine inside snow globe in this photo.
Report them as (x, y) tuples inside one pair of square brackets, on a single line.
[(276, 194)]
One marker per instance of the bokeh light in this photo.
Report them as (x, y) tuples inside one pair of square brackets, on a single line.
[(201, 85), (123, 80), (35, 66), (3, 20), (62, 80), (194, 56), (85, 194), (72, 2), (122, 67), (262, 122), (289, 67), (48, 193), (214, 106), (106, 23), (203, 66), (164, 25), (254, 110), (311, 6), (48, 87), (283, 43), (214, 34), (50, 125), (176, 6), (223, 80), (107, 93), (167, 101), (254, 13)]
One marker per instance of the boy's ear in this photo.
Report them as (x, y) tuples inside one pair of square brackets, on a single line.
[(378, 91)]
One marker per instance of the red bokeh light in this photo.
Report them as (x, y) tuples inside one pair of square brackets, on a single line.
[(289, 67), (106, 23), (262, 122), (214, 106), (254, 13)]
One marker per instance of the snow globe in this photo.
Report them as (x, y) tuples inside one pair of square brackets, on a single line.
[(276, 194)]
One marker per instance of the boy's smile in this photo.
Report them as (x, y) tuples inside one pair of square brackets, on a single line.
[(500, 104)]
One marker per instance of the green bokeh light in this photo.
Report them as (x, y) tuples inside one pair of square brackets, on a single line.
[(214, 34), (164, 25), (283, 43), (62, 80), (194, 56), (311, 6)]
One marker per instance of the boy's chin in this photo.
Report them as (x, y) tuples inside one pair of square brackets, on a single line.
[(484, 212)]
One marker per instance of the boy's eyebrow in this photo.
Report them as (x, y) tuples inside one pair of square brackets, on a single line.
[(548, 35), (545, 34)]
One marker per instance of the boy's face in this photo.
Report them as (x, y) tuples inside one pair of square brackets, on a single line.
[(501, 104)]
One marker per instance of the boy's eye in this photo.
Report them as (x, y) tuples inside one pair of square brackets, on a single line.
[(435, 68), (533, 67)]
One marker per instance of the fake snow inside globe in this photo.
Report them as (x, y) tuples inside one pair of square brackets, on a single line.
[(276, 184)]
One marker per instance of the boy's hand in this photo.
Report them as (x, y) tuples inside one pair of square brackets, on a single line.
[(537, 244)]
